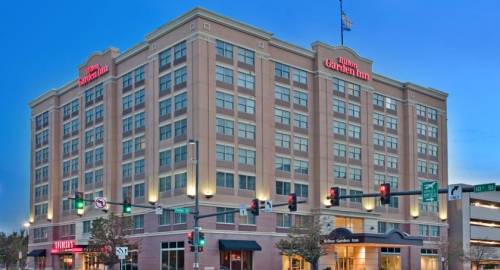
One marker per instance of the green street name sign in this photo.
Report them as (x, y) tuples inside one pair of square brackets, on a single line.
[(485, 187), (429, 191), (181, 210)]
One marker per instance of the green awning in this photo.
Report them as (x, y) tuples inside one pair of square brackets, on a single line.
[(37, 253), (235, 245)]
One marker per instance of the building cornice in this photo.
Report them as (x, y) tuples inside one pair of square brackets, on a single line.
[(421, 89), (316, 43), (291, 48)]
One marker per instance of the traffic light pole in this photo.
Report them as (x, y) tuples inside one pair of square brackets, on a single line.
[(404, 193), (196, 214)]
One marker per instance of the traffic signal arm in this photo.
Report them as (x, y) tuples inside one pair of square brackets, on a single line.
[(248, 209), (403, 193)]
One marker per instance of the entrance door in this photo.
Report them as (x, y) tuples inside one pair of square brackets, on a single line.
[(66, 262), (236, 260)]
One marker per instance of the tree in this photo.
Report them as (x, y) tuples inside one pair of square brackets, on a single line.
[(452, 252), (304, 242), (477, 253), (10, 246), (109, 233)]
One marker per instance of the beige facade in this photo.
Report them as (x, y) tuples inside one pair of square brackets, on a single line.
[(271, 118)]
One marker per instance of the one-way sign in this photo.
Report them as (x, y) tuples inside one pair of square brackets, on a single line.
[(454, 192)]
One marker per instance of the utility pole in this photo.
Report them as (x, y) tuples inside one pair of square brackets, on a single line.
[(196, 264)]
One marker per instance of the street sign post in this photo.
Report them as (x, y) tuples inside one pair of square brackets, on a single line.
[(100, 203), (243, 210), (181, 210), (268, 206), (454, 192), (485, 187), (159, 210), (429, 191)]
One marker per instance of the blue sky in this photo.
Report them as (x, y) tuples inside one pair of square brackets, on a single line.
[(451, 45)]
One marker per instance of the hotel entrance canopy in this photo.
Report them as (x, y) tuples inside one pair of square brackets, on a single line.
[(343, 236)]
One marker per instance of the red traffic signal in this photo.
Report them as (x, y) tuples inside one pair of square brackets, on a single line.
[(292, 202), (190, 237), (254, 207), (385, 193), (334, 196)]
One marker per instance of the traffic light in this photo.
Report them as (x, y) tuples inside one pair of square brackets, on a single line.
[(385, 193), (127, 207), (190, 237), (254, 207), (201, 242), (292, 202), (334, 196), (79, 202)]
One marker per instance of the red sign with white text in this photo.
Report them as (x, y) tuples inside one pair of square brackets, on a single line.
[(65, 246), (345, 65), (91, 73)]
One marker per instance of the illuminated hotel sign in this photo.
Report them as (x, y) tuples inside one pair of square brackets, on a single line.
[(91, 73), (65, 246), (345, 65)]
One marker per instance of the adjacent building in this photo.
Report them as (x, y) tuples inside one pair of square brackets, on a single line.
[(475, 230), (271, 118)]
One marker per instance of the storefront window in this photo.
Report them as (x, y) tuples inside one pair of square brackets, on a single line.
[(66, 262), (429, 259), (172, 256), (345, 258), (131, 261), (40, 263), (236, 260), (390, 259), (294, 263)]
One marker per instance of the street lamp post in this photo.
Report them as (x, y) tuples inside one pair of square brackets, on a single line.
[(196, 264)]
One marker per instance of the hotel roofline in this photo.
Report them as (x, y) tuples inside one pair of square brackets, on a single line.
[(199, 12)]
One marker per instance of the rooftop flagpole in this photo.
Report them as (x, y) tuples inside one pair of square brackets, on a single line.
[(341, 25)]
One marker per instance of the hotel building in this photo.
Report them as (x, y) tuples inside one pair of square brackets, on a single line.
[(271, 118)]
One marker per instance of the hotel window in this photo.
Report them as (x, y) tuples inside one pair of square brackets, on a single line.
[(429, 259), (301, 167), (99, 112), (224, 75), (339, 150), (391, 122), (139, 190), (427, 207), (339, 106), (139, 222), (394, 181), (140, 143), (379, 160), (180, 76), (338, 85), (339, 128), (421, 166), (40, 233), (378, 119), (165, 184), (432, 114), (282, 93), (246, 80), (392, 162), (300, 121), (392, 142), (223, 100), (302, 190), (283, 220), (225, 218), (165, 107), (99, 133), (421, 148), (247, 182), (246, 131), (75, 125), (432, 132), (355, 192), (224, 127), (225, 180), (41, 209), (378, 100), (98, 90), (246, 56), (180, 153), (379, 179), (66, 149), (98, 176), (224, 152), (421, 129), (354, 110), (300, 98), (89, 95), (165, 158), (127, 102), (282, 140), (180, 101), (390, 258), (179, 218), (164, 219), (165, 132), (139, 167), (224, 49), (433, 168), (88, 198), (433, 150), (75, 106), (180, 181), (247, 220), (246, 105), (339, 172), (282, 188), (66, 129), (429, 230), (246, 156), (89, 157), (127, 80), (355, 174), (180, 50), (89, 116), (384, 227), (300, 76), (390, 103), (354, 89), (74, 165), (87, 226), (300, 144), (139, 120), (354, 153), (420, 110), (165, 82), (354, 132), (180, 128), (172, 254), (127, 170), (66, 110), (127, 192), (281, 70), (282, 164), (165, 58), (139, 74), (282, 117)]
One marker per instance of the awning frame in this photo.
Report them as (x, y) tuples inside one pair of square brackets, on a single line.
[(239, 245)]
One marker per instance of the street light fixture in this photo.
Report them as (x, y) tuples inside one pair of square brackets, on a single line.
[(196, 206)]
